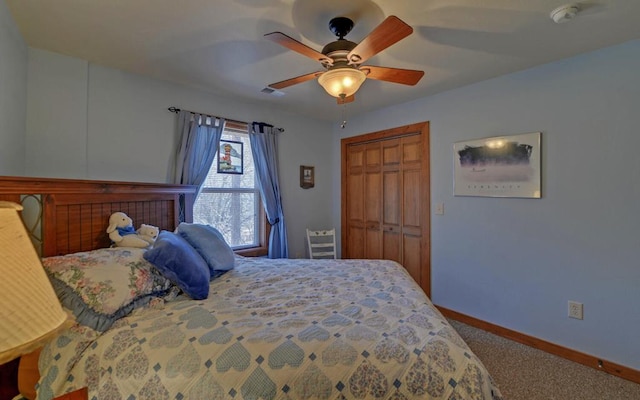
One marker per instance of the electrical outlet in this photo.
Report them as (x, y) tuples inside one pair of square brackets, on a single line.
[(575, 310)]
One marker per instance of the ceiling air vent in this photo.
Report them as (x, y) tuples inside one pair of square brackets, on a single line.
[(272, 92)]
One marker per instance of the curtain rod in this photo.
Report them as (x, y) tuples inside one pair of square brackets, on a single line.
[(177, 110)]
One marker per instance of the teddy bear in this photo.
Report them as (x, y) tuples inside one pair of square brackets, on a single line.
[(148, 233), (121, 232)]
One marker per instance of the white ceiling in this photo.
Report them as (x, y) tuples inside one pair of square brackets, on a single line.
[(218, 45)]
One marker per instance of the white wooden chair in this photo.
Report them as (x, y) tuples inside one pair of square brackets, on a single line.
[(322, 243)]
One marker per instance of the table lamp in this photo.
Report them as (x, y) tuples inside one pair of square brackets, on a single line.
[(30, 312)]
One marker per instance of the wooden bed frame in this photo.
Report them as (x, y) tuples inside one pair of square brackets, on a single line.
[(75, 213), (72, 215)]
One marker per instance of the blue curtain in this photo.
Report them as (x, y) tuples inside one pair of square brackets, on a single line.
[(199, 141), (263, 139)]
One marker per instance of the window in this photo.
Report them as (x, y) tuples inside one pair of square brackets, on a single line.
[(231, 202)]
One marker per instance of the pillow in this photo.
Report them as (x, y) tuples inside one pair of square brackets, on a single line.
[(101, 286), (180, 263), (210, 244)]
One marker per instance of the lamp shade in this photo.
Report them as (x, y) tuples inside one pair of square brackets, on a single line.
[(30, 312), (342, 81)]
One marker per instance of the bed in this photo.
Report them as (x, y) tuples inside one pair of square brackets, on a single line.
[(270, 329)]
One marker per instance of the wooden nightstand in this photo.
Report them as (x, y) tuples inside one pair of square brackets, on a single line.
[(80, 394), (9, 379)]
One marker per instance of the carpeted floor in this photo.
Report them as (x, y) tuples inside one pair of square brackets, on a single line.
[(525, 373)]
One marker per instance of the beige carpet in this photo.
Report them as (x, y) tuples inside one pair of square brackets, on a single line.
[(525, 373)]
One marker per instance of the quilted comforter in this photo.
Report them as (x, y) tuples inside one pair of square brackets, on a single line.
[(276, 329)]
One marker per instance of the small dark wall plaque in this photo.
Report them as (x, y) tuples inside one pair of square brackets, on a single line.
[(307, 179)]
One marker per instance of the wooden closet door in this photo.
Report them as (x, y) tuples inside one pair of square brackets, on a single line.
[(391, 200), (373, 201), (412, 202), (354, 214), (385, 192), (364, 164)]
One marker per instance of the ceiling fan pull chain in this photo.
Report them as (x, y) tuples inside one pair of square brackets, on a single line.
[(344, 117)]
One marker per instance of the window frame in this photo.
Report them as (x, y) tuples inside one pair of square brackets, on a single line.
[(263, 247), (264, 228)]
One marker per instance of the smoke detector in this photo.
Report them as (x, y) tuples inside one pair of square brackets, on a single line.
[(564, 13)]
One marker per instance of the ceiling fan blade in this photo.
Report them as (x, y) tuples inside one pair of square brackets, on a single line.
[(294, 81), (296, 46), (345, 100), (395, 75), (390, 31)]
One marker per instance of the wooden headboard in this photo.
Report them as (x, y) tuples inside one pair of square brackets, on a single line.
[(74, 214), (70, 215)]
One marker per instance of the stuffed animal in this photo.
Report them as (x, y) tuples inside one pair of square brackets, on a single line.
[(121, 232), (149, 233)]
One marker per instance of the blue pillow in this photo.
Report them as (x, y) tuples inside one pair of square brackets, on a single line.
[(181, 264), (210, 244)]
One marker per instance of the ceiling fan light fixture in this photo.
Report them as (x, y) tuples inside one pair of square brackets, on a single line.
[(341, 82)]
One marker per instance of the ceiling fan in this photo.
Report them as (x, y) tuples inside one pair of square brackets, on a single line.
[(343, 59)]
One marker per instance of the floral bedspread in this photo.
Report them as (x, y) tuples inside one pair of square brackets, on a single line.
[(277, 329)]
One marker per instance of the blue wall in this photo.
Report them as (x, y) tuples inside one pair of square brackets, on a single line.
[(88, 121), (516, 262), (13, 95)]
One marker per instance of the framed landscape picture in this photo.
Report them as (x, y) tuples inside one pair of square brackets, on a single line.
[(501, 166), (230, 160)]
